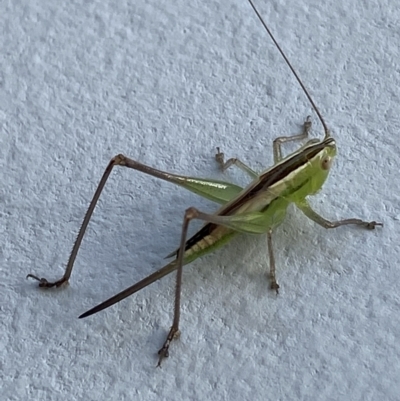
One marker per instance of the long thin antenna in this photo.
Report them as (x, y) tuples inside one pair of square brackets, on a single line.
[(327, 134)]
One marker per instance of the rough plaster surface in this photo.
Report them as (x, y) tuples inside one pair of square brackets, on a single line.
[(165, 83)]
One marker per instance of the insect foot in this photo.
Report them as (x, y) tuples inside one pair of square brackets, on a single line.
[(43, 283), (173, 334)]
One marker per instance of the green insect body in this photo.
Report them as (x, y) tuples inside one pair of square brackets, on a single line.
[(262, 206), (259, 208)]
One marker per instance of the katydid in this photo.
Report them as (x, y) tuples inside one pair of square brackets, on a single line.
[(256, 209)]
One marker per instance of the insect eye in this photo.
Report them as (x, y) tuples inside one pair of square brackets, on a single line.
[(326, 163)]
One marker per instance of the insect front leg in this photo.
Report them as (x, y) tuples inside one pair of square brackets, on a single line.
[(305, 207), (277, 145)]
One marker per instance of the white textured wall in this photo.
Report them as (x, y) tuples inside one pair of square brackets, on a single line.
[(165, 82)]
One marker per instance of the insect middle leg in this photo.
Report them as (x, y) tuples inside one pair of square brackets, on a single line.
[(224, 165), (277, 146), (235, 222), (272, 276)]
